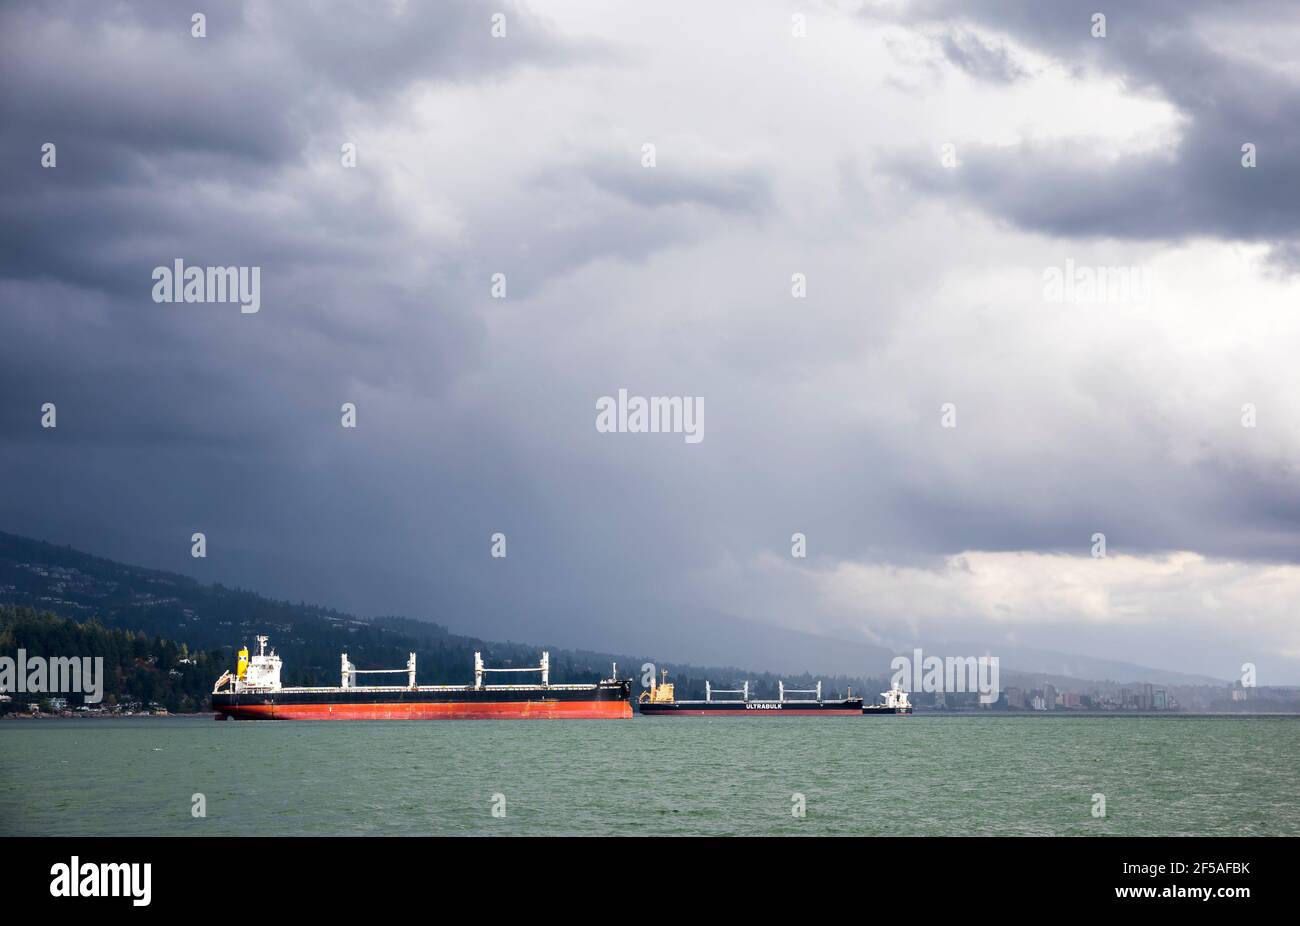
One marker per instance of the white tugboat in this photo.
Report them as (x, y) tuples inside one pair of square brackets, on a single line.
[(896, 702)]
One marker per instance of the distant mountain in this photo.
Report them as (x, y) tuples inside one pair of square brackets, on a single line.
[(162, 604), (1030, 661), (703, 635), (689, 633), (217, 619)]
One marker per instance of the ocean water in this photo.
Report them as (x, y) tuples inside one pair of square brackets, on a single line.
[(920, 775)]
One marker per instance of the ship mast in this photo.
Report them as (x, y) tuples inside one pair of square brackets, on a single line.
[(543, 667)]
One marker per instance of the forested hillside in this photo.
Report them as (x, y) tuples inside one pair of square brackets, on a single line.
[(116, 607)]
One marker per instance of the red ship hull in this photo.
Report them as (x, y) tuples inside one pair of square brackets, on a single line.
[(488, 710)]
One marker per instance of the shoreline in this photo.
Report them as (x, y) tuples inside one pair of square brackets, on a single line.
[(1118, 715)]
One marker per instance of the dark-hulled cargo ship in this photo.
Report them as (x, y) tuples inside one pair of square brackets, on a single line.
[(660, 701), (253, 692)]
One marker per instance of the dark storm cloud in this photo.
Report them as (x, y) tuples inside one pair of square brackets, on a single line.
[(476, 415), (171, 144), (129, 81), (176, 416), (1170, 50), (175, 147)]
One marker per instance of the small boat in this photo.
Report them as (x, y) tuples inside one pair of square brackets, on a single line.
[(896, 702)]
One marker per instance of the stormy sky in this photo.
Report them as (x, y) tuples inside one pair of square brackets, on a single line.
[(925, 166)]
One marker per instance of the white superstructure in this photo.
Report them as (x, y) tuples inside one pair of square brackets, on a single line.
[(896, 698), (261, 673)]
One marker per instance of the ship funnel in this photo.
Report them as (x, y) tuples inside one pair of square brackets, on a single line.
[(242, 669)]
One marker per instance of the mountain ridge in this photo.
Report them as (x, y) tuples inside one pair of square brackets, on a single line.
[(80, 585)]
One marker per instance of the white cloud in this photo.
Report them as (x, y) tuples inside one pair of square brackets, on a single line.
[(1030, 588)]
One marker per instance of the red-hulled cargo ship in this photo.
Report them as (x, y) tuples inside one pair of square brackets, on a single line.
[(254, 692)]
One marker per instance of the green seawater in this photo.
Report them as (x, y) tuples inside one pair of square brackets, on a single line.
[(921, 775)]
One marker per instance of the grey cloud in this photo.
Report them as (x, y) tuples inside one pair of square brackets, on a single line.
[(476, 415), (195, 409), (1157, 47), (246, 92), (579, 209), (978, 58), (730, 189)]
